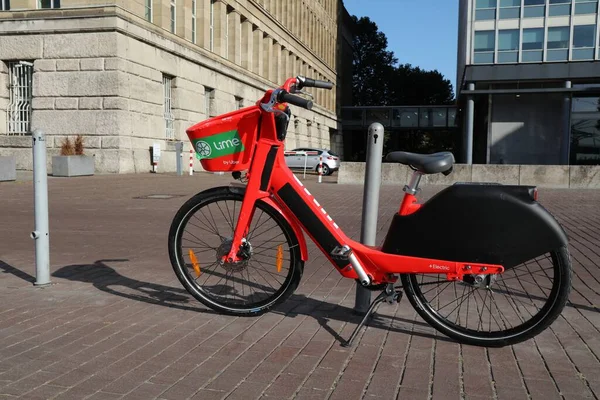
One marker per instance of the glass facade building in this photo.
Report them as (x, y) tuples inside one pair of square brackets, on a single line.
[(529, 81), (511, 31)]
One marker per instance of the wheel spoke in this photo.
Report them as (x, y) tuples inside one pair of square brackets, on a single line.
[(250, 283), (503, 304)]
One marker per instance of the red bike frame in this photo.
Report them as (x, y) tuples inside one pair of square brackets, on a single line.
[(269, 179)]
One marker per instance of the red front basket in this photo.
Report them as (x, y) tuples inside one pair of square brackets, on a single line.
[(226, 142)]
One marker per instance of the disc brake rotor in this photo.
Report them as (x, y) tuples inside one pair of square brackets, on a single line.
[(237, 266)]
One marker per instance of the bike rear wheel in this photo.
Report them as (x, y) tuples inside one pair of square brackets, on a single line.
[(201, 233), (502, 309)]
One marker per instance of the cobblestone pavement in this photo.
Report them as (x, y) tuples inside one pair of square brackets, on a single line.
[(116, 323)]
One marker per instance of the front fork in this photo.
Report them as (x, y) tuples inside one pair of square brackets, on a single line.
[(252, 195)]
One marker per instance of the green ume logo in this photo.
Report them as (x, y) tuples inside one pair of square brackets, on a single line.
[(222, 144)]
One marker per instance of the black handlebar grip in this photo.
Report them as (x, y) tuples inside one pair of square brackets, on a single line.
[(295, 100), (317, 83)]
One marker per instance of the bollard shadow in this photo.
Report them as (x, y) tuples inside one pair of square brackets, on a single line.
[(107, 279), (9, 269)]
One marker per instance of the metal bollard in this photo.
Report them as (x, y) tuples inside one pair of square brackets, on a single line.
[(320, 168), (41, 235), (370, 204), (191, 162), (178, 157)]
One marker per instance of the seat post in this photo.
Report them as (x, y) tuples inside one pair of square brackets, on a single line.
[(413, 185)]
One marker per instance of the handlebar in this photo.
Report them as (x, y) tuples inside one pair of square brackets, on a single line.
[(285, 97), (284, 94), (308, 82)]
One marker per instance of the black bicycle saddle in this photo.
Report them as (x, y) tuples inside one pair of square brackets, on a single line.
[(425, 163)]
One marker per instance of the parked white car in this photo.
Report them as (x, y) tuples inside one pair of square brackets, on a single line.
[(296, 160)]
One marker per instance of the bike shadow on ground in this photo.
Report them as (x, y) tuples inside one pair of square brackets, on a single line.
[(325, 312), (106, 278)]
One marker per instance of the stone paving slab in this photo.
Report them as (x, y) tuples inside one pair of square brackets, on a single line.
[(116, 323)]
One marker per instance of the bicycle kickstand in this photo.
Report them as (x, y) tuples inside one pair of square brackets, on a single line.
[(390, 295)]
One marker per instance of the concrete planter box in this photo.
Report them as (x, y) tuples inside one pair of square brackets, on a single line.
[(8, 168), (72, 165)]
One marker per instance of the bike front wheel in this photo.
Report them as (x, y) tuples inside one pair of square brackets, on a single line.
[(494, 310), (201, 233)]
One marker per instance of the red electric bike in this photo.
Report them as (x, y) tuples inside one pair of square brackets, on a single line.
[(485, 264)]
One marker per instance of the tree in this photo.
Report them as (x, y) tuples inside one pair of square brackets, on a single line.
[(377, 81), (414, 86), (372, 64)]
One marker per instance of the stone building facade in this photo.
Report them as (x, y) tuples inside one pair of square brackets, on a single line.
[(130, 73)]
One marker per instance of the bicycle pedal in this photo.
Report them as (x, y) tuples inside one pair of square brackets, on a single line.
[(341, 253), (398, 296)]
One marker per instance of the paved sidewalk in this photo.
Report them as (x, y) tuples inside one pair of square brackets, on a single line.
[(116, 323)]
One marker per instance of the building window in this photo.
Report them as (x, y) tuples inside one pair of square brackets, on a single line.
[(508, 46), (534, 8), (18, 116), (194, 21), (485, 9), (49, 4), (173, 16), (239, 102), (211, 46), (583, 42), (484, 47), (558, 44), (148, 10), (533, 45), (168, 107), (559, 7), (510, 9), (586, 6), (209, 97), (585, 131), (4, 5)]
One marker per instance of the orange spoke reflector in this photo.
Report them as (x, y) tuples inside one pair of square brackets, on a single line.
[(279, 258), (195, 263)]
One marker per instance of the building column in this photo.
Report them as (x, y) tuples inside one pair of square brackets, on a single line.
[(247, 45), (276, 66), (184, 19), (161, 14), (257, 51), (469, 125), (276, 9), (284, 70), (220, 29), (311, 74), (291, 65), (235, 32), (566, 141), (294, 17), (285, 14), (203, 23), (267, 58)]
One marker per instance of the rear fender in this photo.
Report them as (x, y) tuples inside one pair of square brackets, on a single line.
[(297, 231), (479, 223)]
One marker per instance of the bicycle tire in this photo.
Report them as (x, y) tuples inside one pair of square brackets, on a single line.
[(183, 270), (547, 314)]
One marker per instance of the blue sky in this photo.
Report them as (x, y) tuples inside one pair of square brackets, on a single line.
[(423, 33)]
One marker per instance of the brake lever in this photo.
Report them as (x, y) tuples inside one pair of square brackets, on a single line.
[(268, 107), (304, 93)]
